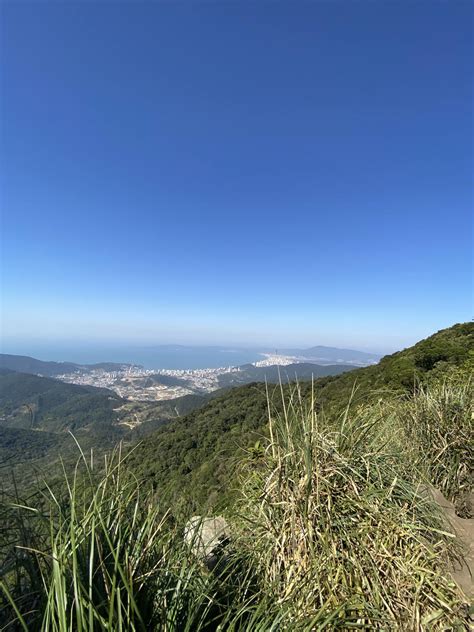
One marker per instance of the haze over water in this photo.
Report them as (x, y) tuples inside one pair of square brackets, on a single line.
[(151, 357)]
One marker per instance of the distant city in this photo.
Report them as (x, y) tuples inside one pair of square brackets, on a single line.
[(185, 375), (137, 383)]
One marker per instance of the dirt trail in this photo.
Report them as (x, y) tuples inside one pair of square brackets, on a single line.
[(463, 573)]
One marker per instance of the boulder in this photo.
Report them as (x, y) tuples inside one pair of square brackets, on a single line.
[(207, 538)]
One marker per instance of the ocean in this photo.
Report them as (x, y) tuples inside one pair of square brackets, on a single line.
[(152, 357)]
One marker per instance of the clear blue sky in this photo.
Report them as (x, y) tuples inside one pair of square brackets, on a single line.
[(245, 172)]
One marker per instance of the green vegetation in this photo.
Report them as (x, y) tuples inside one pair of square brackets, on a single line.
[(438, 429), (26, 364), (195, 454), (328, 488), (37, 415), (333, 528), (40, 403), (335, 519), (276, 375), (106, 556), (401, 372)]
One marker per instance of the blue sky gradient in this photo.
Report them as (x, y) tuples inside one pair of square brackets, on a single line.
[(285, 173)]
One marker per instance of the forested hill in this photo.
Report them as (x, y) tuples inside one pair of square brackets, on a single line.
[(194, 454), (40, 403), (37, 415), (299, 371), (399, 372), (26, 364), (333, 355)]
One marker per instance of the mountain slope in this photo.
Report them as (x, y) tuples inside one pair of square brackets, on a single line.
[(26, 364), (37, 415), (398, 372), (341, 354), (41, 403), (330, 355), (194, 453), (274, 374), (329, 506)]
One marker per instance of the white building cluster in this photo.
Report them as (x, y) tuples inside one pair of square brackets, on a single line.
[(128, 381)]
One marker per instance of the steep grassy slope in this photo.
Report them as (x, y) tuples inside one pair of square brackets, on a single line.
[(194, 454)]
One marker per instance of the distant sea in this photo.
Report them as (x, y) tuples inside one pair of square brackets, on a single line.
[(156, 357)]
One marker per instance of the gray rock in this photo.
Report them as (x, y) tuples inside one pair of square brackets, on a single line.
[(207, 538)]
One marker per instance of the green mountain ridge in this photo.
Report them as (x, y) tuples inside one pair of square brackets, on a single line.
[(274, 374), (194, 454), (334, 354), (33, 402), (27, 364), (38, 415)]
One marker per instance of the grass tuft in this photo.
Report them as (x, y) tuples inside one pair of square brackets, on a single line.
[(339, 532)]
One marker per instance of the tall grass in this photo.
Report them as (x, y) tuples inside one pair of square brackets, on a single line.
[(333, 531), (342, 537), (107, 557), (438, 425)]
